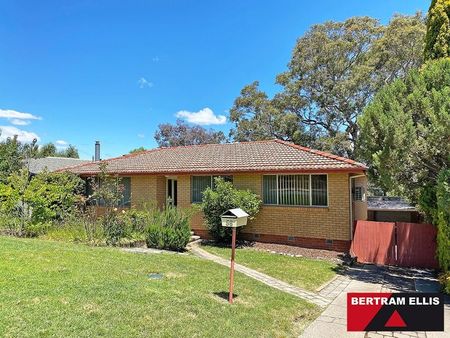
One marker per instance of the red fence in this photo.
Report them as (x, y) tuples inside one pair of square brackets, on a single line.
[(402, 244)]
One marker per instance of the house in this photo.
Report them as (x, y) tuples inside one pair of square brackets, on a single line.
[(310, 198), (37, 165), (391, 209)]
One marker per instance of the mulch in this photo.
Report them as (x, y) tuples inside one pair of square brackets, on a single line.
[(293, 251)]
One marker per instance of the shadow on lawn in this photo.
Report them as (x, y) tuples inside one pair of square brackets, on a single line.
[(224, 295)]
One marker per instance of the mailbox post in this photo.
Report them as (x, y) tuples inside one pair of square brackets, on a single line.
[(233, 219)]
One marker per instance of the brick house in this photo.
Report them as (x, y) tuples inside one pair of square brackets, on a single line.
[(310, 198)]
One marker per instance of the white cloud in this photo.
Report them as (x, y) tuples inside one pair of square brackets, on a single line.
[(204, 116), (143, 83), (22, 135), (19, 122), (141, 135), (16, 115), (61, 144)]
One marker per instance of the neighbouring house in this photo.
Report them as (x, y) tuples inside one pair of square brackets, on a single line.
[(310, 198), (37, 165), (391, 209)]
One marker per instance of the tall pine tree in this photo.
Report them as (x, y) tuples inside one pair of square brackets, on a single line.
[(437, 40)]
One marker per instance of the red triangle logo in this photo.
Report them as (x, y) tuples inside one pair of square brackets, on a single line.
[(395, 320)]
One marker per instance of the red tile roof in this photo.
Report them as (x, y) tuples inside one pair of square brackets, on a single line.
[(260, 156)]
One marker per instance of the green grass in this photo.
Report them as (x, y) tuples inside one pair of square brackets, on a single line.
[(54, 289), (302, 272)]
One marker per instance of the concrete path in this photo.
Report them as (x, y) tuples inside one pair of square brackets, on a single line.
[(317, 299), (369, 278)]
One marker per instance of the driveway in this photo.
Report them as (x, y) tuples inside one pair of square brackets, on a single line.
[(370, 278)]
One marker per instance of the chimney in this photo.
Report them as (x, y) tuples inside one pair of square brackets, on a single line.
[(97, 151)]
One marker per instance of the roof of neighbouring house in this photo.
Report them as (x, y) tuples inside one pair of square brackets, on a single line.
[(259, 156), (388, 204), (37, 165)]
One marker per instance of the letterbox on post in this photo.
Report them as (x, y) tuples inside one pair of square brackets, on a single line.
[(233, 218)]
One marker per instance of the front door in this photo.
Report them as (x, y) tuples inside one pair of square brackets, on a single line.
[(172, 192)]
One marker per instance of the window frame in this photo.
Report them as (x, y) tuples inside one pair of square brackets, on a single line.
[(211, 184), (310, 205)]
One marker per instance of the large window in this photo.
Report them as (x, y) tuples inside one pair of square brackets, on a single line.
[(200, 183), (125, 182), (308, 190)]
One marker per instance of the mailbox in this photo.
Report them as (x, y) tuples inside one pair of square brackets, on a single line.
[(234, 218)]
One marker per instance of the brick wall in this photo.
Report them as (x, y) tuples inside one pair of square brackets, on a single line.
[(313, 226), (143, 190)]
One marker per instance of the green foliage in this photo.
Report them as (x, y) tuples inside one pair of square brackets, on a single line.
[(107, 189), (31, 203), (445, 281), (182, 134), (137, 150), (437, 40), (12, 154), (442, 220), (53, 196), (50, 150), (114, 228), (170, 229), (222, 198), (335, 70), (36, 229), (405, 131)]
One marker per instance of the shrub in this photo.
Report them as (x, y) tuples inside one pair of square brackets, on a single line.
[(445, 281), (222, 198), (114, 228), (9, 223), (169, 230), (37, 229)]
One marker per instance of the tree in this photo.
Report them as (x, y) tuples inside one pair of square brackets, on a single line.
[(181, 134), (47, 150), (437, 40), (71, 152), (405, 133), (50, 150), (335, 70), (10, 157), (137, 150)]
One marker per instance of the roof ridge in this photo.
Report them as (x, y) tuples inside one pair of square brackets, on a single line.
[(322, 153)]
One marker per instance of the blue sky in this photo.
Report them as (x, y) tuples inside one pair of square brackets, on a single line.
[(78, 71)]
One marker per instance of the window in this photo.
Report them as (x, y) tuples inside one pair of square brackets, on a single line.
[(125, 182), (358, 193), (126, 193), (200, 183), (307, 190)]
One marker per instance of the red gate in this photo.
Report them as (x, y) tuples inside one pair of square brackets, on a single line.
[(416, 245), (402, 244)]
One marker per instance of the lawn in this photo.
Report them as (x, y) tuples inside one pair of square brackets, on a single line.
[(302, 272), (50, 289)]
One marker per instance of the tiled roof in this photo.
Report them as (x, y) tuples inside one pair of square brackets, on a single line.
[(261, 156), (37, 165)]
